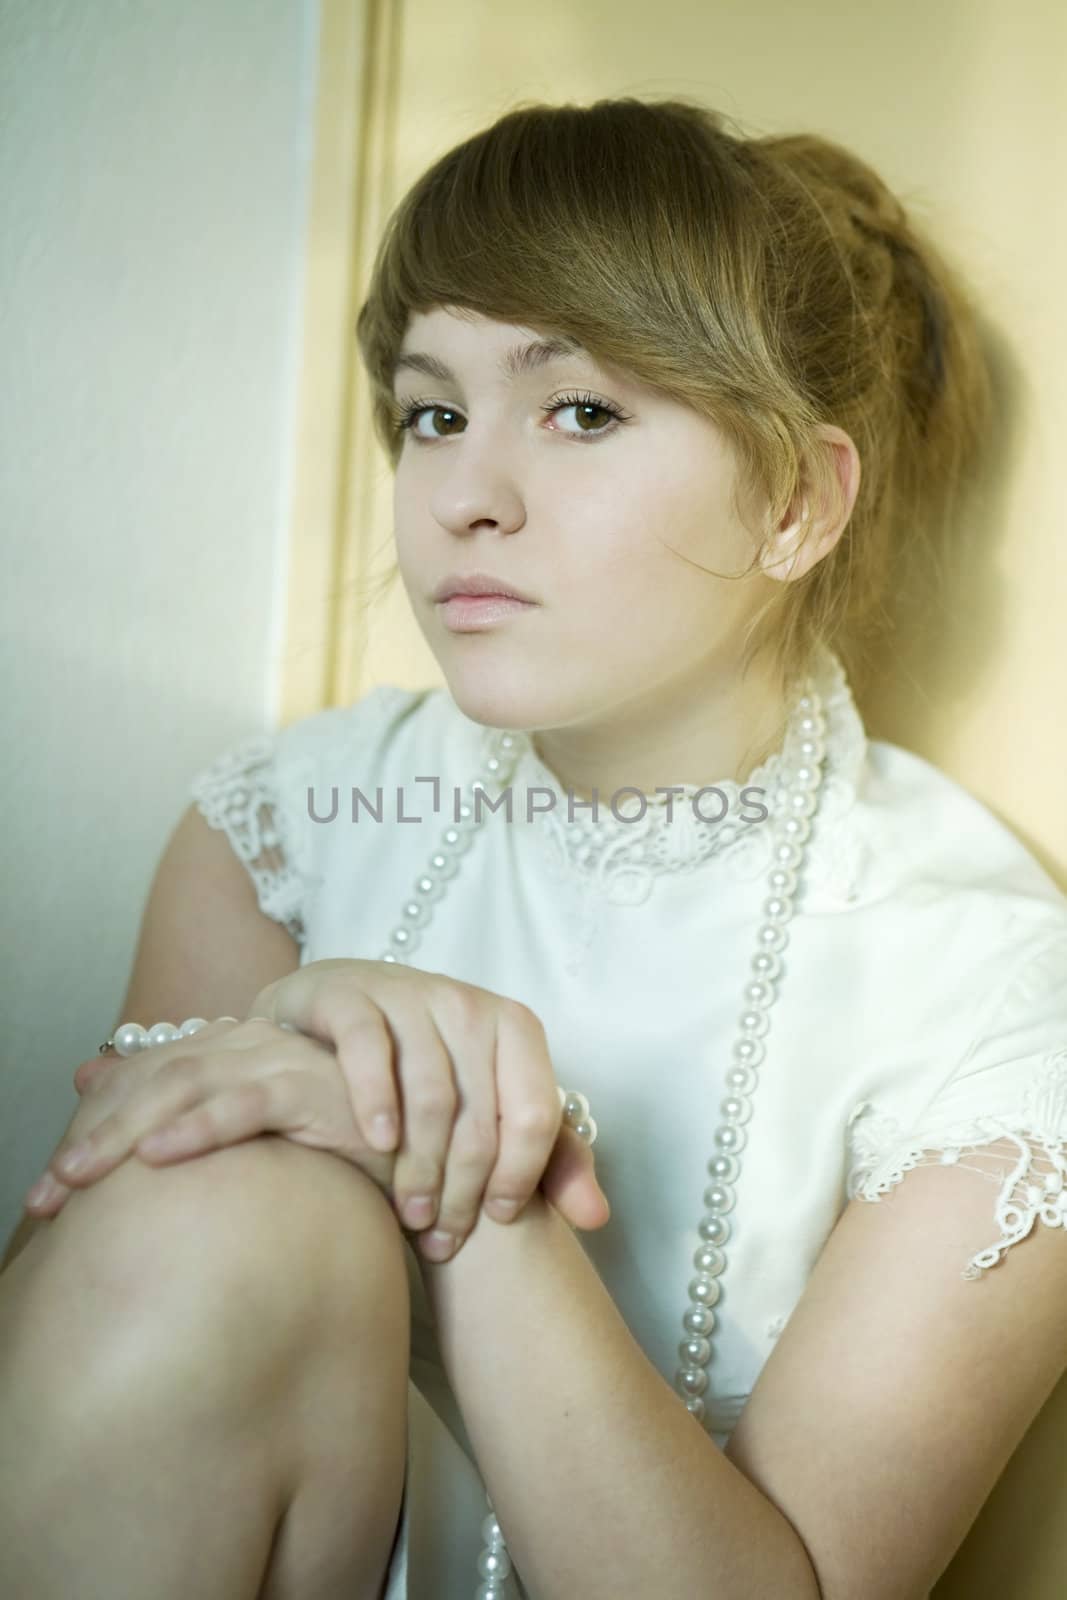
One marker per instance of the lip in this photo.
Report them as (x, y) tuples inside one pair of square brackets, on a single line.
[(481, 584), (472, 613)]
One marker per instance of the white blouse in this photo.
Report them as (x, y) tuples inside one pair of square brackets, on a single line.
[(921, 1013)]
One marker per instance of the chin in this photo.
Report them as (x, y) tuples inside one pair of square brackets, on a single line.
[(498, 702)]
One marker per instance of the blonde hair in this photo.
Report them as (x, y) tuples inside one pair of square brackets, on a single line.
[(771, 283)]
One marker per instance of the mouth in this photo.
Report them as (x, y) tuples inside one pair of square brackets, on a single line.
[(466, 613), (477, 585)]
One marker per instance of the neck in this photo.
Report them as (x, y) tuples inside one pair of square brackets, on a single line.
[(723, 733)]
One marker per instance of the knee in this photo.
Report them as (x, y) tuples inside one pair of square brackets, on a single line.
[(258, 1246)]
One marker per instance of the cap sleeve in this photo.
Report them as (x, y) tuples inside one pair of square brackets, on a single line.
[(1002, 1113), (239, 793), (257, 793)]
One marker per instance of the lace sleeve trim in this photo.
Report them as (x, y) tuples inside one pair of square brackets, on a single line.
[(1025, 1155), (238, 794)]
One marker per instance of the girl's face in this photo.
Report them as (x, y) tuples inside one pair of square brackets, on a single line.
[(590, 493)]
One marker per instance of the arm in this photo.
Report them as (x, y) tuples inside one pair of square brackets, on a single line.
[(603, 1482), (876, 1431), (205, 949)]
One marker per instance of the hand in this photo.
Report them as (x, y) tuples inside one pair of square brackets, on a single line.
[(228, 1082), (113, 1082), (463, 1073)]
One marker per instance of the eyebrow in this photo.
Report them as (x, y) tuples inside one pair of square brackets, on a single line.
[(518, 361)]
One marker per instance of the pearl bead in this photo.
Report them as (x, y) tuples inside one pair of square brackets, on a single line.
[(193, 1025), (748, 1051), (699, 1319), (709, 1260), (494, 1563), (714, 1227), (741, 1079), (754, 1022), (731, 1138), (458, 840), (695, 1406), (130, 1038), (491, 1532), (163, 1033), (445, 866), (777, 908), (735, 1109), (695, 1352), (759, 992), (692, 1380), (726, 1168), (705, 1290), (719, 1197)]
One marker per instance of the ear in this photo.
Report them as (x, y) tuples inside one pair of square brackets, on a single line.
[(781, 558)]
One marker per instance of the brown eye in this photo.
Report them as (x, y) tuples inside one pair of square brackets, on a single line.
[(410, 415), (582, 405)]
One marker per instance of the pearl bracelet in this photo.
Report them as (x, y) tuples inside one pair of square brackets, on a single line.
[(130, 1037)]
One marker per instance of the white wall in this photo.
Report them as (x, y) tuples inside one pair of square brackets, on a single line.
[(153, 185)]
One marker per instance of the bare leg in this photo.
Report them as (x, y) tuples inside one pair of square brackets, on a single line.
[(203, 1384)]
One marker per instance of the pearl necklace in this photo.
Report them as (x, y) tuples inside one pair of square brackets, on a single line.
[(804, 745)]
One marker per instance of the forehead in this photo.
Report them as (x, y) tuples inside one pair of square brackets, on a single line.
[(519, 350)]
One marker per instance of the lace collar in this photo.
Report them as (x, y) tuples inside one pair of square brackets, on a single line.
[(619, 856)]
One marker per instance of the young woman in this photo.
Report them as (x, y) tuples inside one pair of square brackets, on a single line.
[(692, 400)]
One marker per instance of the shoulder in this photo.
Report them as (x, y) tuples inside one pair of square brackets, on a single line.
[(934, 853)]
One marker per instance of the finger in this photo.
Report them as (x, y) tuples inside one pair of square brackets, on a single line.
[(364, 1047), (472, 1152), (571, 1184), (429, 1101), (229, 1117), (88, 1071), (529, 1108), (45, 1197), (174, 1089), (335, 1008)]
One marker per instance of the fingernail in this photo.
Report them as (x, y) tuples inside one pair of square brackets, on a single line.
[(44, 1189), (75, 1160), (419, 1209), (504, 1210), (438, 1245)]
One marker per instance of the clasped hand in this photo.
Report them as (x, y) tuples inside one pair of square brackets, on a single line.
[(463, 1074)]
